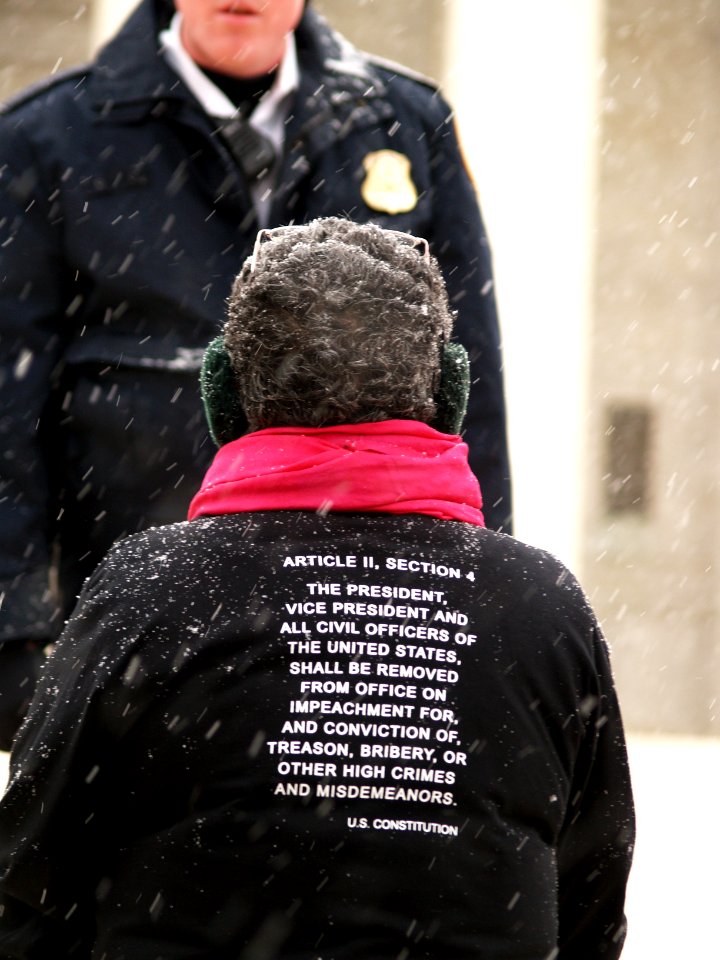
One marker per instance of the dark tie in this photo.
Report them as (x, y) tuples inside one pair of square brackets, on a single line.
[(252, 150)]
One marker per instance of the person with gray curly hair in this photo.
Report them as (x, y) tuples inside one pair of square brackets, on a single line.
[(333, 715), (337, 323)]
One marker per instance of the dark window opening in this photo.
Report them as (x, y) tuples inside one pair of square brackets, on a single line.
[(627, 459)]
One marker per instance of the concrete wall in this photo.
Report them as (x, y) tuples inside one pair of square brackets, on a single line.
[(652, 567), (38, 37)]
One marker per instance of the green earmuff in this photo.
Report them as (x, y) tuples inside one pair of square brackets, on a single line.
[(226, 418), (451, 396), (223, 410)]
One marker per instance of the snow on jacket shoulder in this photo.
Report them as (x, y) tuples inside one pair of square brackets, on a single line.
[(352, 736)]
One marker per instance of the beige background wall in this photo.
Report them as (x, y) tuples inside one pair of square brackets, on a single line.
[(38, 37), (655, 572)]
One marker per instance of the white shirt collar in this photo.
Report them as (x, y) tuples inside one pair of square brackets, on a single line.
[(267, 117)]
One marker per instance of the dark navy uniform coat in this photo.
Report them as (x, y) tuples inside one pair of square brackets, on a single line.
[(123, 220)]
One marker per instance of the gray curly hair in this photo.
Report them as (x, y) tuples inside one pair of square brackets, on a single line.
[(336, 322)]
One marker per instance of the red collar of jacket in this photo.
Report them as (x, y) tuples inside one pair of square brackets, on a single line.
[(394, 466)]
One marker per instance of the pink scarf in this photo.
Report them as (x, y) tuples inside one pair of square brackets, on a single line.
[(394, 466)]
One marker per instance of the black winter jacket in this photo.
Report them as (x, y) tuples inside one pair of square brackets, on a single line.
[(123, 220), (352, 737)]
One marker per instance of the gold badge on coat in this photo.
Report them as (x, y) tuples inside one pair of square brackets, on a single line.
[(388, 186)]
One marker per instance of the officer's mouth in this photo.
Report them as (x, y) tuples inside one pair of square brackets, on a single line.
[(239, 11)]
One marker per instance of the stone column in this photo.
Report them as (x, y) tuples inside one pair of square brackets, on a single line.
[(523, 76)]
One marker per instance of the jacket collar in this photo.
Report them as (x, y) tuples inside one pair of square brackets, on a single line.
[(130, 70)]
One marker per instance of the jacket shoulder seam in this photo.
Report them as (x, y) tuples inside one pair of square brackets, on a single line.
[(40, 87)]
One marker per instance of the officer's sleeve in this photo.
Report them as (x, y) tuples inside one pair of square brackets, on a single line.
[(595, 850), (33, 302), (461, 246)]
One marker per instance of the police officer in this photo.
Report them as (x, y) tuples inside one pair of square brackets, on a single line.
[(130, 192)]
